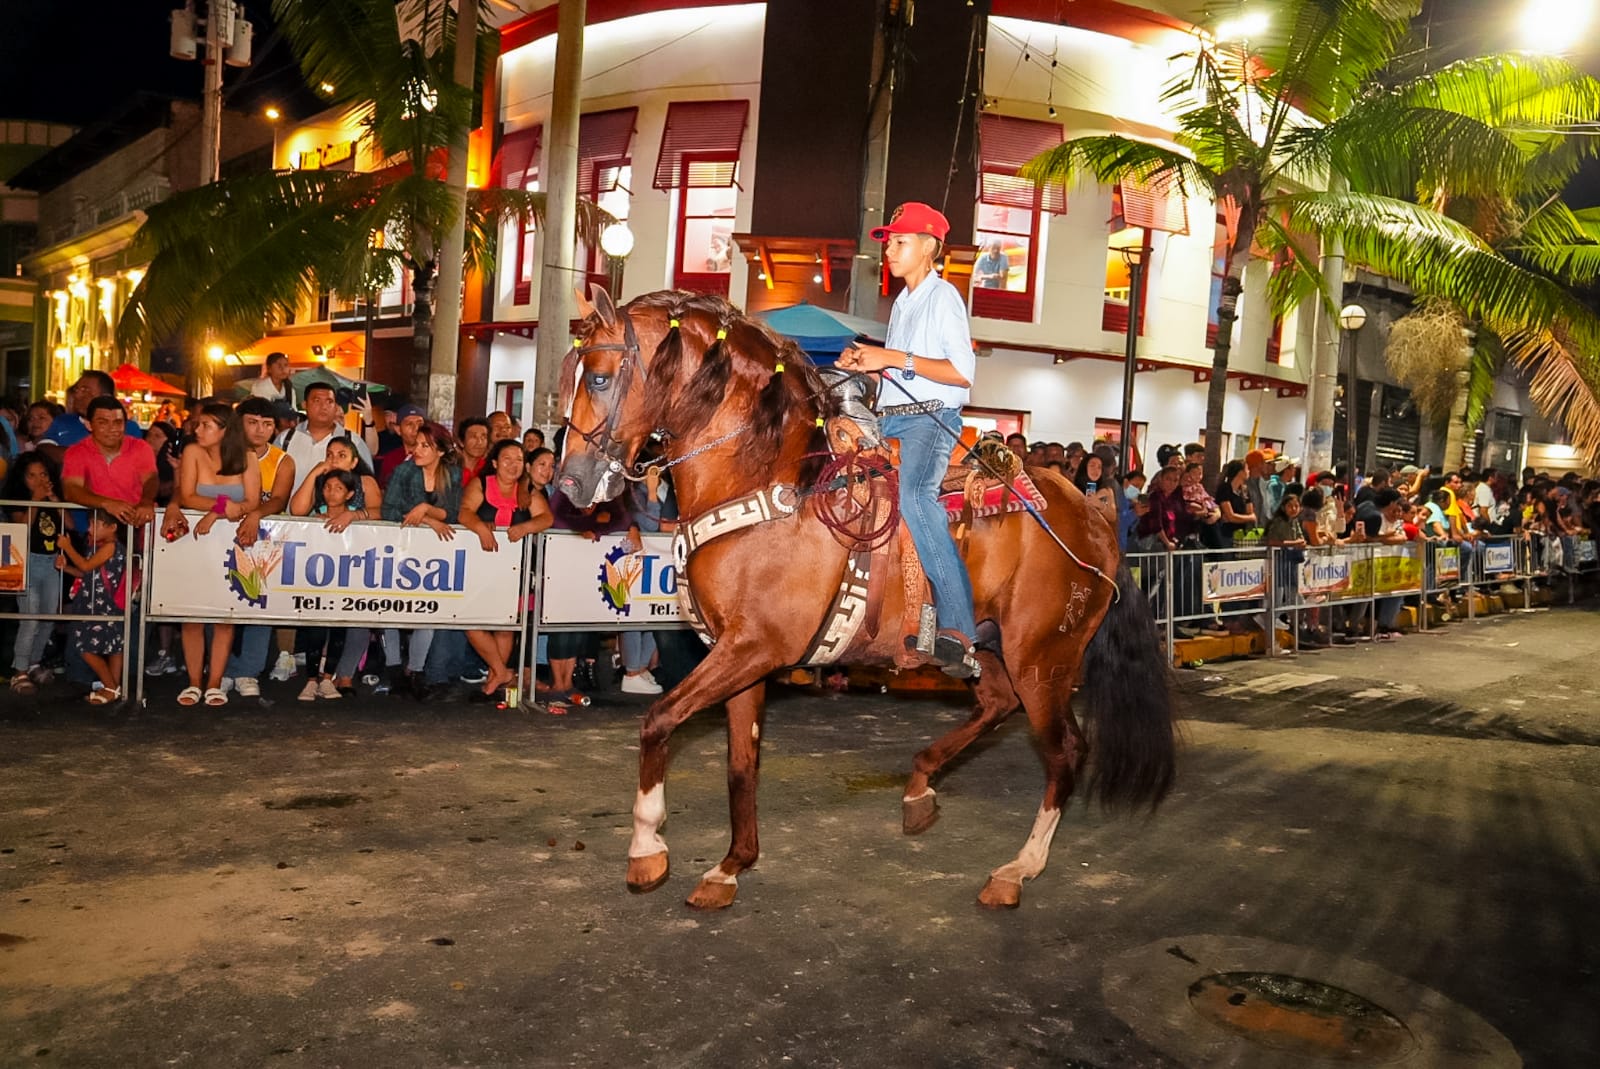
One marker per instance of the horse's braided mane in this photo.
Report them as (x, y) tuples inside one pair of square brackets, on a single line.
[(695, 374)]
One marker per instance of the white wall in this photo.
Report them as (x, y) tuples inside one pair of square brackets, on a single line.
[(1102, 84), (646, 61), (1064, 400), (511, 359)]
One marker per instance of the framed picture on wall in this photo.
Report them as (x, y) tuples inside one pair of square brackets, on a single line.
[(1006, 421)]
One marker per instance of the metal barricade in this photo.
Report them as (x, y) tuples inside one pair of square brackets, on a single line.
[(18, 576)]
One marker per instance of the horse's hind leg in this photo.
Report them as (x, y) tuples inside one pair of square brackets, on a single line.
[(1049, 706), (919, 808), (719, 886)]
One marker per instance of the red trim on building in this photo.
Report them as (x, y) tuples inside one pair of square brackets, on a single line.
[(543, 23), (1100, 16)]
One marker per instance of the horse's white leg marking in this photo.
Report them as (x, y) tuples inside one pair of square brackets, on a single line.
[(716, 875), (755, 729), (649, 813), (1035, 852), (927, 792)]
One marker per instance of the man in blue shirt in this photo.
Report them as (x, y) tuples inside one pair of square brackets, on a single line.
[(72, 427), (927, 362)]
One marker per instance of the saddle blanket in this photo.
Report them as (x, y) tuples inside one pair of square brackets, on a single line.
[(994, 500)]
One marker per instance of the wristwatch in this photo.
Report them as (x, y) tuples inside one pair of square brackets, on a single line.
[(911, 367)]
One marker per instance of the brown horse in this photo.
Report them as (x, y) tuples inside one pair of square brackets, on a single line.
[(739, 411)]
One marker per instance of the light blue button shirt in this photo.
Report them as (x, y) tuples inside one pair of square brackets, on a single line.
[(929, 321)]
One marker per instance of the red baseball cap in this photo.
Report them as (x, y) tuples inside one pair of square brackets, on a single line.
[(914, 217)]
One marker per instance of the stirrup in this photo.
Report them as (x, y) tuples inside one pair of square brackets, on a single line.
[(951, 651)]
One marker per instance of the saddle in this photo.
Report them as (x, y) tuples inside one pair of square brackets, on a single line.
[(985, 478)]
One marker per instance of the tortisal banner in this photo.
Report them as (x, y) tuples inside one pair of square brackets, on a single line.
[(1498, 557), (299, 572), (609, 583), (1235, 579)]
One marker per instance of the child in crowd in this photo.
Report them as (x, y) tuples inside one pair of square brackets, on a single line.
[(98, 591), (35, 478)]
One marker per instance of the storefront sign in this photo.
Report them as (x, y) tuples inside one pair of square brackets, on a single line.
[(609, 583), (300, 572), (1446, 564), (1235, 580), (13, 558), (327, 155)]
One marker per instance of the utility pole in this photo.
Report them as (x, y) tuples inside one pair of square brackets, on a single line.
[(228, 39), (556, 277), (442, 362)]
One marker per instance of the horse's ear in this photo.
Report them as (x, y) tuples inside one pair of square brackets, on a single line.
[(585, 309), (603, 305)]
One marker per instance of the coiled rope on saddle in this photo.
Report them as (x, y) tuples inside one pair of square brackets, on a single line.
[(852, 490)]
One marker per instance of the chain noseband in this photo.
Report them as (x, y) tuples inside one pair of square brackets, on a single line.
[(602, 436)]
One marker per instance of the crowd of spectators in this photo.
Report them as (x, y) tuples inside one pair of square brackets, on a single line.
[(1263, 498), (339, 454)]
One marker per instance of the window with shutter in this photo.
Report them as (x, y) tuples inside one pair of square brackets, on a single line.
[(699, 165), (517, 167), (1009, 215), (604, 138)]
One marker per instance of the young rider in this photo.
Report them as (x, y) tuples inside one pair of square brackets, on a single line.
[(928, 364)]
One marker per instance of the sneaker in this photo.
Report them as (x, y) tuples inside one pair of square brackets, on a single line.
[(226, 685), (308, 693), (41, 675), (248, 686), (284, 669), (642, 683), (328, 689), (378, 684), (161, 666), (475, 676)]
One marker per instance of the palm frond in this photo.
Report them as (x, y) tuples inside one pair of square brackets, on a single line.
[(1387, 146), (1296, 279), (1559, 242), (230, 255), (1322, 54), (1483, 370), (1563, 385), (1112, 157), (1438, 257)]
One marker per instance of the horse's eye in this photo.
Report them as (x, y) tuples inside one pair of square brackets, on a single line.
[(599, 382)]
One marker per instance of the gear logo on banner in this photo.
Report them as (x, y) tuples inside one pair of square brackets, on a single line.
[(250, 570), (617, 575)]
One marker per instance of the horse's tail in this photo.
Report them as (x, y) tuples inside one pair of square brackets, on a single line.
[(1127, 699)]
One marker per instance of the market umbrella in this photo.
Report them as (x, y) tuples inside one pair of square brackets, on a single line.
[(302, 379), (129, 379), (821, 332)]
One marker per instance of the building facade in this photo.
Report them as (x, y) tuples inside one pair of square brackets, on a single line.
[(749, 146), (21, 142)]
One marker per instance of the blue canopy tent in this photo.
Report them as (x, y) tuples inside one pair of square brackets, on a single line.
[(821, 332)]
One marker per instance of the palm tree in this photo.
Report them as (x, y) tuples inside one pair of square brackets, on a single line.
[(1304, 107), (231, 258)]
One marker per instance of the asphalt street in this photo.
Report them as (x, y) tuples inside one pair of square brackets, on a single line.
[(379, 882)]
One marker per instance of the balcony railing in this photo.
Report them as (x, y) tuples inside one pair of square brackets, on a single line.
[(149, 190)]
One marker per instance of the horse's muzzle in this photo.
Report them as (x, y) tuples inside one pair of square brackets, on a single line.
[(586, 480)]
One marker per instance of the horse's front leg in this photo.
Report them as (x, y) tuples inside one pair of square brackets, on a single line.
[(719, 886), (730, 667)]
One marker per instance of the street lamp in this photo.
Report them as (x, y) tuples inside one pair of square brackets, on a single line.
[(1352, 317), (1245, 26), (616, 241), (1133, 256)]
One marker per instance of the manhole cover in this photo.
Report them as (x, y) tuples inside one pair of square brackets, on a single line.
[(1300, 1016)]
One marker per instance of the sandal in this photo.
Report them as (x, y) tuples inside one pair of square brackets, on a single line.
[(189, 696), (21, 684), (105, 696), (216, 696)]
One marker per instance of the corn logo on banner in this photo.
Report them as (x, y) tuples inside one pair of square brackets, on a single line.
[(13, 558), (299, 572), (609, 583)]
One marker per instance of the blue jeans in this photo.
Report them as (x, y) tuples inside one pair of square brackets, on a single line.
[(925, 448), (251, 660), (42, 596)]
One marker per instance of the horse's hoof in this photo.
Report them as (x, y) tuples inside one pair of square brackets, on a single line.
[(1000, 894), (645, 874), (917, 815), (713, 894)]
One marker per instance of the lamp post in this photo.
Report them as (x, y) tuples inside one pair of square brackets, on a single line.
[(1351, 319), (1133, 256), (616, 241)]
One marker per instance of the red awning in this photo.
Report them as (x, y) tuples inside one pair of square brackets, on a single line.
[(1005, 144), (517, 162), (603, 140), (1156, 205), (700, 143), (130, 379)]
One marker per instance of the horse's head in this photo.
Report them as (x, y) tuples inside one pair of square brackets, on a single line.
[(602, 382)]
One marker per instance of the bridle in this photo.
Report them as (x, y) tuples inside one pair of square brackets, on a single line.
[(602, 437)]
